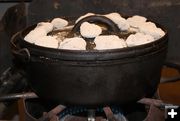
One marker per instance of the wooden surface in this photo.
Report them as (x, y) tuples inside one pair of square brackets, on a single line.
[(170, 92)]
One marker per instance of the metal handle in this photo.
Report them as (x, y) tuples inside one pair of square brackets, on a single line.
[(14, 39), (22, 53), (97, 19), (25, 52)]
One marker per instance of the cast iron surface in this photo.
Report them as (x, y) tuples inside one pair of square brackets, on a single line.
[(95, 18), (92, 78)]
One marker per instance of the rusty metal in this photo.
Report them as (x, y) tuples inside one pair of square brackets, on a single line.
[(52, 114), (155, 102), (109, 114), (16, 96), (149, 101), (23, 114), (21, 109), (155, 111), (155, 114)]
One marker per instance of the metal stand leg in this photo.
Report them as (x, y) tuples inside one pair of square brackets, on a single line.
[(109, 114), (52, 114), (23, 114)]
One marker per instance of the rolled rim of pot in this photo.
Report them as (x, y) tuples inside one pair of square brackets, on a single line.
[(92, 55)]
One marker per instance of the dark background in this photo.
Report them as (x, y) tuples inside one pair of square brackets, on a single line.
[(165, 12), (176, 117)]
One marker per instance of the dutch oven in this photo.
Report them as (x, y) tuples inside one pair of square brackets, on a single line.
[(92, 77)]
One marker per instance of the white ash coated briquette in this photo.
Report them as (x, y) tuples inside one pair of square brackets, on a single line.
[(143, 32)]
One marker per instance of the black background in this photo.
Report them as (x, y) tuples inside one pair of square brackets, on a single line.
[(176, 117)]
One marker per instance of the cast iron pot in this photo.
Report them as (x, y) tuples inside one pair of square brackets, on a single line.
[(92, 77)]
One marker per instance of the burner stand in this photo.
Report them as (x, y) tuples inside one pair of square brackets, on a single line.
[(155, 111)]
